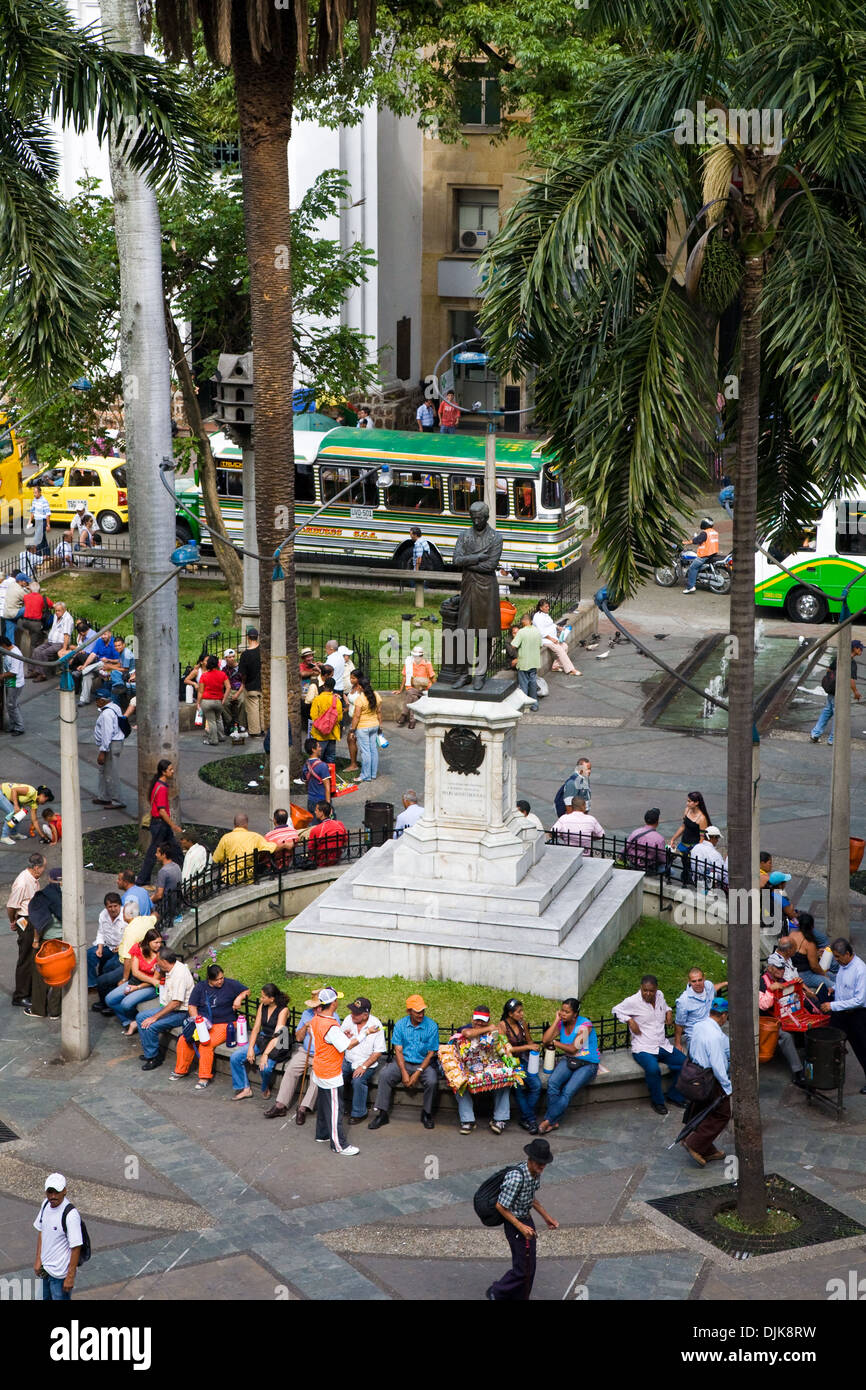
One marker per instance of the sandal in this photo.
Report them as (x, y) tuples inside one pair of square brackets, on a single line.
[(546, 1127), (242, 1095)]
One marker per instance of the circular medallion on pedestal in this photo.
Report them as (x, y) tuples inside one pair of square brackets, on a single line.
[(463, 750)]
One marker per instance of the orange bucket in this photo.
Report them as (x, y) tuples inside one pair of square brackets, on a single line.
[(855, 853), (768, 1038), (507, 613), (55, 961)]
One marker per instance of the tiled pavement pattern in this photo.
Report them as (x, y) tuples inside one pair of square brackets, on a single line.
[(258, 1210)]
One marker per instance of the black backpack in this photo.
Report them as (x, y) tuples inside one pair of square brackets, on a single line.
[(828, 680), (487, 1196), (559, 805), (86, 1250)]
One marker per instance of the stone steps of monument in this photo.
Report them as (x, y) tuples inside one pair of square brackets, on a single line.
[(609, 917)]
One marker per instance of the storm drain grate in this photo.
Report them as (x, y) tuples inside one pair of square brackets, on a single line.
[(6, 1134)]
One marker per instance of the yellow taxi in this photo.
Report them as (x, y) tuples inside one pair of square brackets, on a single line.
[(100, 483)]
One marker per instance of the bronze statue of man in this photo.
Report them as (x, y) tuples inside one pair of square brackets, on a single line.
[(477, 554)]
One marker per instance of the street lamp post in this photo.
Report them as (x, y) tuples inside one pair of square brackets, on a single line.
[(74, 1021)]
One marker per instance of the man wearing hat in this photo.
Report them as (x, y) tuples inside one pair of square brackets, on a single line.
[(418, 676), (415, 1041), (298, 1068), (826, 715), (59, 1243), (517, 1200), (362, 1057), (709, 1047), (109, 739), (13, 603), (330, 1046), (777, 910), (706, 862)]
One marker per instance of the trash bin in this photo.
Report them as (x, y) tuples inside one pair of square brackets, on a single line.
[(379, 820), (825, 1059)]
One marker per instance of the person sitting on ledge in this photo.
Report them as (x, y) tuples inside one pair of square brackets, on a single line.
[(328, 838), (575, 1038), (647, 1015), (415, 1041)]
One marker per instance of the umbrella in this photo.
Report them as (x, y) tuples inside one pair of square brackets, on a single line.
[(692, 1124)]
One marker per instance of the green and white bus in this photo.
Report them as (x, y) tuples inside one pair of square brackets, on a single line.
[(832, 556), (435, 479)]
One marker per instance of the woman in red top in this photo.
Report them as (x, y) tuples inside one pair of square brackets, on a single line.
[(142, 985), (162, 828), (211, 689)]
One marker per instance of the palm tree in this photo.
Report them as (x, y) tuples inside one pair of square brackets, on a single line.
[(50, 70), (266, 45), (622, 335)]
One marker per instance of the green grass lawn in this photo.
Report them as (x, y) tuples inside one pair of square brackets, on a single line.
[(651, 947), (366, 615)]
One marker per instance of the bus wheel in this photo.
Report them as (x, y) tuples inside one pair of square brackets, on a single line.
[(804, 606), (182, 533)]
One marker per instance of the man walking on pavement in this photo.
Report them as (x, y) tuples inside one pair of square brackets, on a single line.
[(59, 1243), (330, 1044), (516, 1202), (829, 685), (109, 739), (709, 1048)]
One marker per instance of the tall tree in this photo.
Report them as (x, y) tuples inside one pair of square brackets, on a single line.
[(581, 290), (145, 367)]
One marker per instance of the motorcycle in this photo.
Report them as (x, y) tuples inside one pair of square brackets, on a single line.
[(715, 575)]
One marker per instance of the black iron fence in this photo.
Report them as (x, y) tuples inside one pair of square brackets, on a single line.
[(670, 865), (57, 558), (215, 643)]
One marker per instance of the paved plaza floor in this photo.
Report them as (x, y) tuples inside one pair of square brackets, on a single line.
[(188, 1194)]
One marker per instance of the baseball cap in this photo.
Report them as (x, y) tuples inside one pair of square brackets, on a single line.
[(252, 632), (328, 995), (55, 1182), (314, 1000), (360, 1005), (776, 878), (417, 651), (416, 1003), (229, 651), (712, 830), (856, 644), (55, 875), (24, 578), (481, 1015), (777, 959), (719, 1006)]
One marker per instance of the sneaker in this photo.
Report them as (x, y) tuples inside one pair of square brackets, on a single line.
[(466, 1129), (497, 1126), (323, 1141), (690, 591), (814, 738), (178, 1076), (350, 1151), (6, 840), (28, 1009)]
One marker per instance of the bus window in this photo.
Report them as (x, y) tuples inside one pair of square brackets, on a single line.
[(467, 488), (335, 479), (551, 492), (524, 500), (230, 482), (418, 492), (305, 483), (851, 528)]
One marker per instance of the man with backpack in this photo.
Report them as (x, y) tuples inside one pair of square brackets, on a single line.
[(828, 685), (109, 737), (577, 785), (509, 1197), (62, 1244)]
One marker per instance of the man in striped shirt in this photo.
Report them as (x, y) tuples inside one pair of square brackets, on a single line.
[(517, 1200)]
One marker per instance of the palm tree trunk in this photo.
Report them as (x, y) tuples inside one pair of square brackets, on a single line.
[(229, 561), (147, 425), (265, 92), (752, 1198)]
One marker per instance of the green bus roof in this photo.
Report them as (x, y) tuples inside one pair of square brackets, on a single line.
[(448, 450)]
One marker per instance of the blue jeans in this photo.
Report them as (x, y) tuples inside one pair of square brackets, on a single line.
[(564, 1084), (329, 749), (125, 1005), (447, 429), (528, 682), (240, 1081), (7, 810), (819, 983), (824, 718), (694, 570), (150, 1037), (368, 750), (52, 1290), (501, 1106), (96, 964), (650, 1063), (9, 625), (357, 1089), (527, 1095)]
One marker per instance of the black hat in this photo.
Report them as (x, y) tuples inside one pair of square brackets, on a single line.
[(360, 1005), (538, 1150)]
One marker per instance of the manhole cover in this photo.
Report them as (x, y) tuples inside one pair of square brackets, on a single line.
[(819, 1222), (6, 1134)]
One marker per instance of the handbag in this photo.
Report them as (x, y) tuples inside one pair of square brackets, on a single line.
[(694, 1082)]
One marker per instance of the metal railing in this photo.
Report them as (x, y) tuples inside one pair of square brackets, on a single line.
[(670, 865), (215, 643)]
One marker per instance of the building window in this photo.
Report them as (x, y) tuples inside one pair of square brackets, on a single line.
[(477, 217), (478, 96), (225, 154)]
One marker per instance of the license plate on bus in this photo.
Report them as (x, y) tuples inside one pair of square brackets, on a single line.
[(361, 513)]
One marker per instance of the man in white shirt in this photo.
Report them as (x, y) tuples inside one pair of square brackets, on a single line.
[(195, 855), (705, 861), (410, 814), (59, 1243), (710, 1048), (336, 661), (361, 1058), (170, 1012), (577, 826), (848, 1005), (102, 955), (40, 515), (530, 819), (647, 1015), (13, 684), (58, 642), (109, 739)]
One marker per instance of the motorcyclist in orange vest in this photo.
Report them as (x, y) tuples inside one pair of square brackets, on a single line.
[(706, 542)]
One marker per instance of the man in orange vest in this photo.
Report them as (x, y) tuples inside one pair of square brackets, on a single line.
[(330, 1042), (707, 542)]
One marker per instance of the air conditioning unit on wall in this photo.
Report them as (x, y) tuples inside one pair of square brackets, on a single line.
[(474, 241)]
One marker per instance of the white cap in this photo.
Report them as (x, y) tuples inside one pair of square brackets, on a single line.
[(56, 1182), (417, 651), (712, 830), (327, 995), (229, 651)]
